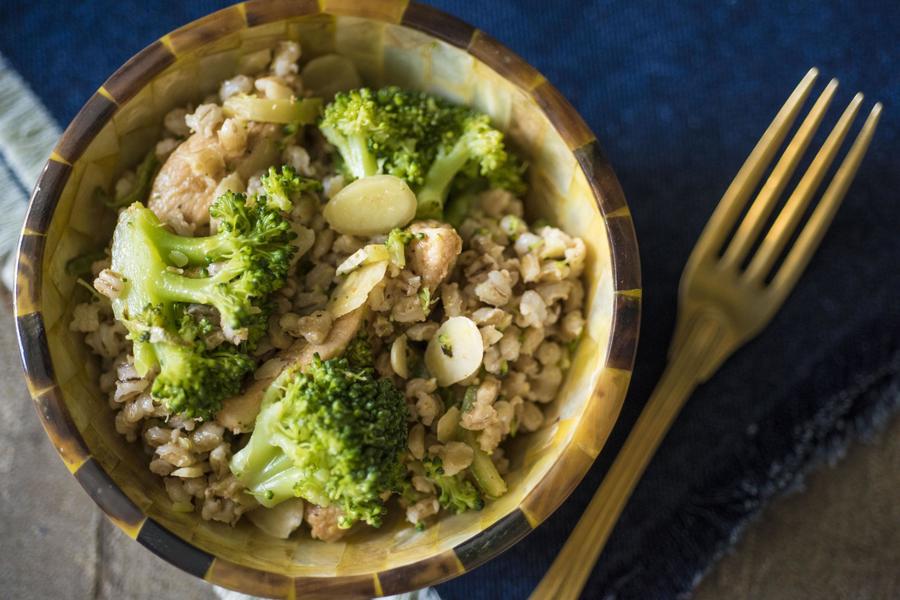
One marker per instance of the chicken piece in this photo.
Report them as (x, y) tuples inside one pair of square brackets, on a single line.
[(185, 185), (323, 523), (238, 413), (432, 252), (281, 520)]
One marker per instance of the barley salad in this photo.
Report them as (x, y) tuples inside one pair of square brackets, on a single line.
[(322, 303)]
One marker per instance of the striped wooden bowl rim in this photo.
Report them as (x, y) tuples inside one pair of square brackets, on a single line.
[(562, 477)]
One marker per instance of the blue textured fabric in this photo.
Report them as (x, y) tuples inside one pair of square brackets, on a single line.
[(678, 93)]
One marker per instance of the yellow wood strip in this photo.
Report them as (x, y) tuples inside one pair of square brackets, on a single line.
[(57, 158), (73, 467), (105, 93), (619, 212), (167, 42), (130, 530)]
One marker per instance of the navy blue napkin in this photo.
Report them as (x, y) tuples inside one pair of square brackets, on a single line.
[(678, 93)]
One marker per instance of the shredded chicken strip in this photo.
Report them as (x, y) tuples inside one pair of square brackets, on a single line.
[(239, 412)]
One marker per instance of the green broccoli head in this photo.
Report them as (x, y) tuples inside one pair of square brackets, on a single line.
[(281, 188), (353, 123), (193, 380), (458, 495), (233, 271), (470, 150), (359, 351), (247, 259), (334, 434), (424, 140)]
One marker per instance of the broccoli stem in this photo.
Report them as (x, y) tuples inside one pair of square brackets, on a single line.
[(144, 357), (275, 482), (360, 162), (437, 181), (196, 290), (483, 470), (264, 467), (197, 250)]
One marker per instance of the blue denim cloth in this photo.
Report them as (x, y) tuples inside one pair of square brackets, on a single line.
[(678, 93)]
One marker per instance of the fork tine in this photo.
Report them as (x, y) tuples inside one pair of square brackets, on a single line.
[(751, 226), (790, 215), (735, 197), (811, 235)]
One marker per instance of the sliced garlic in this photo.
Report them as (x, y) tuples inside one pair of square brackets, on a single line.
[(446, 426), (371, 205), (353, 292), (187, 472), (281, 520), (398, 357), (329, 74), (455, 351), (305, 239), (364, 256)]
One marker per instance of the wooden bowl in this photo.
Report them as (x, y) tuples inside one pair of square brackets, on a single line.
[(391, 41)]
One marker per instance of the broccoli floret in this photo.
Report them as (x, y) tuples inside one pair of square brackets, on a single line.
[(247, 259), (359, 352), (457, 493), (426, 141), (471, 148), (280, 188), (192, 380), (333, 434)]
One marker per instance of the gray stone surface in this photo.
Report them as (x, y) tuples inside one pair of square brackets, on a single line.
[(840, 538), (54, 542)]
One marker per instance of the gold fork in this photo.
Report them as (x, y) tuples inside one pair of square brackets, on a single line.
[(723, 304)]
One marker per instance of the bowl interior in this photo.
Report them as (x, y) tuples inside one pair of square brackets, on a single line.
[(546, 465)]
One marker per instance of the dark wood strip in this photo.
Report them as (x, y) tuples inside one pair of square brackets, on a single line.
[(493, 540), (503, 60), (29, 275), (60, 429), (430, 571), (173, 549), (601, 177), (85, 127), (139, 71), (260, 12), (249, 580), (624, 337), (562, 114), (350, 587), (626, 259), (439, 24), (34, 351), (45, 196), (207, 29), (107, 494)]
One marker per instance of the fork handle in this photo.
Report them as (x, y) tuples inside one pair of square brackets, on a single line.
[(573, 565)]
